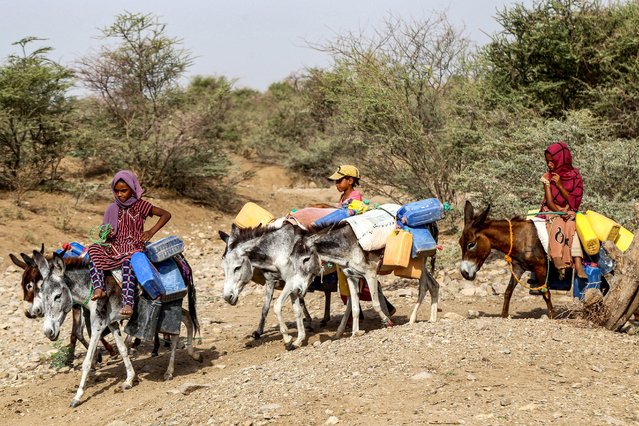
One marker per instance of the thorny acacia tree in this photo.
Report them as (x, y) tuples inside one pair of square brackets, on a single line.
[(135, 77), (394, 98), (34, 118)]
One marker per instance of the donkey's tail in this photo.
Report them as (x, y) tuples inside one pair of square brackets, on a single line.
[(434, 231), (191, 294)]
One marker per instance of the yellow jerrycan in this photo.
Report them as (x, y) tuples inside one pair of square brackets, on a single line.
[(413, 270), (624, 239), (252, 216), (398, 247), (587, 236), (605, 228)]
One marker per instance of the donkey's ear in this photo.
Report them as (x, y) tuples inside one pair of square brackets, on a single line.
[(481, 218), (28, 260), (41, 262), (234, 230), (469, 212), (42, 249), (58, 265), (256, 255), (224, 236), (17, 261)]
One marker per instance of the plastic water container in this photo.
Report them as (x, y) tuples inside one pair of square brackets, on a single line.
[(251, 216), (423, 242), (624, 239), (605, 228), (147, 274), (604, 262), (412, 270), (331, 218), (587, 236), (398, 247), (76, 250), (421, 212), (594, 280), (171, 280), (163, 249)]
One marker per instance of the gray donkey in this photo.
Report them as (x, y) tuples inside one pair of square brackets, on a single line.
[(338, 244), (278, 251), (66, 284)]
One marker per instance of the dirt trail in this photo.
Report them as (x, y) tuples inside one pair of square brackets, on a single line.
[(470, 367)]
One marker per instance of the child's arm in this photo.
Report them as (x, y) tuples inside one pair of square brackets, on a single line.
[(164, 218)]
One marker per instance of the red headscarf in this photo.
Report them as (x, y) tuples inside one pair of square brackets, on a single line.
[(570, 177)]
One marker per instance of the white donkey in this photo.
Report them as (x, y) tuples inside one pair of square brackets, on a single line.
[(66, 284), (277, 250)]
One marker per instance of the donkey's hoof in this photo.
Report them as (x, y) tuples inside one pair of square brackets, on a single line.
[(290, 347), (74, 403), (197, 357), (389, 324), (168, 377), (256, 335), (359, 333), (126, 386), (154, 354)]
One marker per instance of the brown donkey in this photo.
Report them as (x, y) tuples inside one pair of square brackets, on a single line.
[(516, 238)]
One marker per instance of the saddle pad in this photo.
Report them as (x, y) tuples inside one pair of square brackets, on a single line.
[(373, 227), (542, 231), (306, 216)]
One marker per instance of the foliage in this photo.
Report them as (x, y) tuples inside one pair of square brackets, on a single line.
[(168, 135), (394, 97), (61, 357), (34, 118)]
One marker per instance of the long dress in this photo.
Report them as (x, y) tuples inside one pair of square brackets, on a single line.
[(127, 240)]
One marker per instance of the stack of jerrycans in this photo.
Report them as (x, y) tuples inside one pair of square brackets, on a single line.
[(413, 219), (160, 309)]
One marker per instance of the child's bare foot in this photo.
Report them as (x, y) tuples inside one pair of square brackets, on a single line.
[(581, 273), (126, 311), (98, 293)]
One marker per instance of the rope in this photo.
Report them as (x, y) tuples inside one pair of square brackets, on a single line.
[(543, 288), (86, 301), (103, 232)]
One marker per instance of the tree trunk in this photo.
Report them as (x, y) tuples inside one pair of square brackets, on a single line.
[(623, 298)]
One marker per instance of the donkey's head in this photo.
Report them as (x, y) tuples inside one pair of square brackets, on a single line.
[(30, 281), (54, 292), (475, 246), (236, 265)]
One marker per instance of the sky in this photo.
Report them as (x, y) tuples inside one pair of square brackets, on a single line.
[(255, 42)]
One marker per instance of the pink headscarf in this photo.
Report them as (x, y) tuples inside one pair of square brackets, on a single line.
[(111, 213), (570, 177)]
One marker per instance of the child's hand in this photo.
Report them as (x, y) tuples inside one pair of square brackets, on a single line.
[(556, 178), (544, 179), (146, 236)]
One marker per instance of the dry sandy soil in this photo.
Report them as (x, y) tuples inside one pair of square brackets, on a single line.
[(469, 367)]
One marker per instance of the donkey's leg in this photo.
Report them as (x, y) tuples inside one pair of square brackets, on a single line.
[(278, 313), (190, 330), (376, 297), (119, 342), (327, 308), (551, 309), (269, 287), (518, 271), (347, 314), (353, 288), (308, 319), (433, 289), (86, 367), (423, 284), (301, 330), (168, 375)]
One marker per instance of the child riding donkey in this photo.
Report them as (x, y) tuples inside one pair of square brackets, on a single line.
[(563, 192), (125, 216)]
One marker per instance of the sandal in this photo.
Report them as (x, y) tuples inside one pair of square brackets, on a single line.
[(98, 293)]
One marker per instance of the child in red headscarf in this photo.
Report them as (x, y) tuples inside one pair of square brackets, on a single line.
[(563, 191), (126, 215)]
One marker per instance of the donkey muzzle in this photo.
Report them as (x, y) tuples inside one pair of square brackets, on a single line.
[(468, 270)]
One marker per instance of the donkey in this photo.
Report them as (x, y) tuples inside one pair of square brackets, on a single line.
[(516, 238), (30, 281), (278, 252), (65, 284), (339, 244)]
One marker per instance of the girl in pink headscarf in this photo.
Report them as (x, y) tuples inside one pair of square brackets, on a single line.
[(126, 215), (563, 191)]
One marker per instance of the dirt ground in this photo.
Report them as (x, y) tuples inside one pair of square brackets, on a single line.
[(469, 367)]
